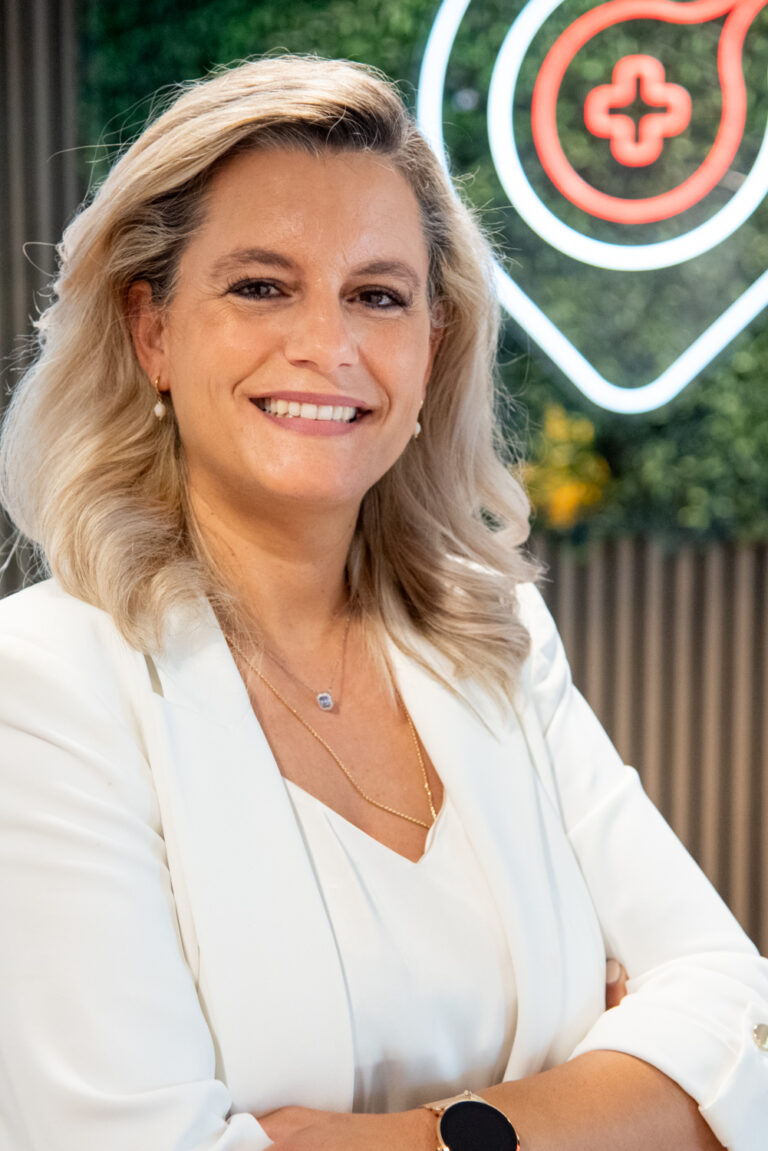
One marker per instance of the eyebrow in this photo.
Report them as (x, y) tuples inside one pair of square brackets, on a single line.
[(242, 257), (391, 268)]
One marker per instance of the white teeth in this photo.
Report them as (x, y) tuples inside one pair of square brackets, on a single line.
[(293, 408)]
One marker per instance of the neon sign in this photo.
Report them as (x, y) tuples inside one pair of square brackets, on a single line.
[(592, 225)]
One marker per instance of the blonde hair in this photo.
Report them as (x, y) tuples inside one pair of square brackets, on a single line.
[(98, 484)]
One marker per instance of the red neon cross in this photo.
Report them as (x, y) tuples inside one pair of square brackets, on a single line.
[(601, 119)]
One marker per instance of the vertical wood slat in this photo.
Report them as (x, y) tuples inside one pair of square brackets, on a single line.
[(739, 842), (711, 724), (594, 639), (762, 761), (672, 653), (39, 184), (681, 697), (653, 756), (42, 207), (67, 93), (13, 291), (624, 643)]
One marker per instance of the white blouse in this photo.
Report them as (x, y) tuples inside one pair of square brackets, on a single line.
[(427, 967)]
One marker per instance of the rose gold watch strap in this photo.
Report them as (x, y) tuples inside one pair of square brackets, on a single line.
[(441, 1105)]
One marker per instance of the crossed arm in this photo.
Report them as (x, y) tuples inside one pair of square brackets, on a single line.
[(600, 1101)]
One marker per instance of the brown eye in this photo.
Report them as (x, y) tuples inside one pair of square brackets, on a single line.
[(255, 289), (382, 298)]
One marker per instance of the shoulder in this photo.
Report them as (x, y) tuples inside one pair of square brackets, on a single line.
[(546, 675), (46, 617), (50, 634), (45, 612), (535, 616), (540, 682)]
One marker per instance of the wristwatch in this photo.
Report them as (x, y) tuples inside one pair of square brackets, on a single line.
[(466, 1122)]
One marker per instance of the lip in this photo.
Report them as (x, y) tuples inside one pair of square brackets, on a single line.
[(333, 399)]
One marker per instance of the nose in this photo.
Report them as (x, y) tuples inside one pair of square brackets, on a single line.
[(321, 336)]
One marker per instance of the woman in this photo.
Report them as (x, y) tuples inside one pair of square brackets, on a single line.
[(305, 826)]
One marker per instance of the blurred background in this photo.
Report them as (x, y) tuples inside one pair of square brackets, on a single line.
[(654, 527)]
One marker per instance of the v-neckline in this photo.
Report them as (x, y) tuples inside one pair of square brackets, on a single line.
[(307, 797)]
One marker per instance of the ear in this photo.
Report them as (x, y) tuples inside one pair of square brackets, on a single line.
[(146, 321)]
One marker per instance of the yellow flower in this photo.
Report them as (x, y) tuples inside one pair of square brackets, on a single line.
[(567, 501), (568, 477), (556, 423)]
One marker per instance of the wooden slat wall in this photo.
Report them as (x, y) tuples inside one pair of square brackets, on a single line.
[(39, 186), (671, 650)]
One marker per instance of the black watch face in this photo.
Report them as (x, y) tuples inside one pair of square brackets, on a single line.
[(470, 1126)]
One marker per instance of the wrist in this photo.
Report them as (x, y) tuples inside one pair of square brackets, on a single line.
[(420, 1133)]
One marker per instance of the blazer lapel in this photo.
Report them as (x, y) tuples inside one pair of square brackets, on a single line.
[(270, 977), (484, 761)]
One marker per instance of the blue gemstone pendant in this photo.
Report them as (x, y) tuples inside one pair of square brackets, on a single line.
[(325, 701)]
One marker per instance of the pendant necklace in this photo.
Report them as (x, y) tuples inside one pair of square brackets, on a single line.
[(337, 759), (324, 699)]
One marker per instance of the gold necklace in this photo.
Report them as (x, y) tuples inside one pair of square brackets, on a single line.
[(337, 759)]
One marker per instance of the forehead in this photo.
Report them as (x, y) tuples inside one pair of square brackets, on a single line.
[(356, 203)]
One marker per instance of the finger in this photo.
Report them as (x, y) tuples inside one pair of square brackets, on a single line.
[(287, 1121), (615, 983)]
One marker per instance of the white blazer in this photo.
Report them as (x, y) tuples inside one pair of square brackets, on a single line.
[(167, 965)]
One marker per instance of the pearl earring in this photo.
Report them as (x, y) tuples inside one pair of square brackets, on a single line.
[(417, 430), (159, 408)]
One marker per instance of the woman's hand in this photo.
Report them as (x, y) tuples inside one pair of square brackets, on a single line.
[(303, 1129), (615, 983)]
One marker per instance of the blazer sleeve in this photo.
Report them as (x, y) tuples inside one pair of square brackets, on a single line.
[(103, 1042), (698, 991)]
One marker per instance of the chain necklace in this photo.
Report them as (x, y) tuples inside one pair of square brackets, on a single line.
[(323, 699), (337, 759)]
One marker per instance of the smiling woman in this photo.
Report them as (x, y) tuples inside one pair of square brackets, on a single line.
[(306, 838), (307, 299)]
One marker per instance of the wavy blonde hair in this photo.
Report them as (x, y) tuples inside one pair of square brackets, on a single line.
[(98, 484)]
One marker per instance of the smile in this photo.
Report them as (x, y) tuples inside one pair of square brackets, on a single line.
[(292, 409)]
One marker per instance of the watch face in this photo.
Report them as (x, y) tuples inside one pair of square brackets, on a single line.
[(471, 1126)]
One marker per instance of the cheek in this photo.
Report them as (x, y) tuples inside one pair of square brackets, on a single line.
[(214, 341), (404, 360), (198, 386), (203, 370)]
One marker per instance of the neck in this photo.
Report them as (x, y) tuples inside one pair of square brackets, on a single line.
[(287, 573)]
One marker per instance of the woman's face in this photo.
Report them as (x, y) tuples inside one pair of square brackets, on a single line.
[(303, 291)]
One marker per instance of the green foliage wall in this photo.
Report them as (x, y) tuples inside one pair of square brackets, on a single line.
[(694, 470)]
